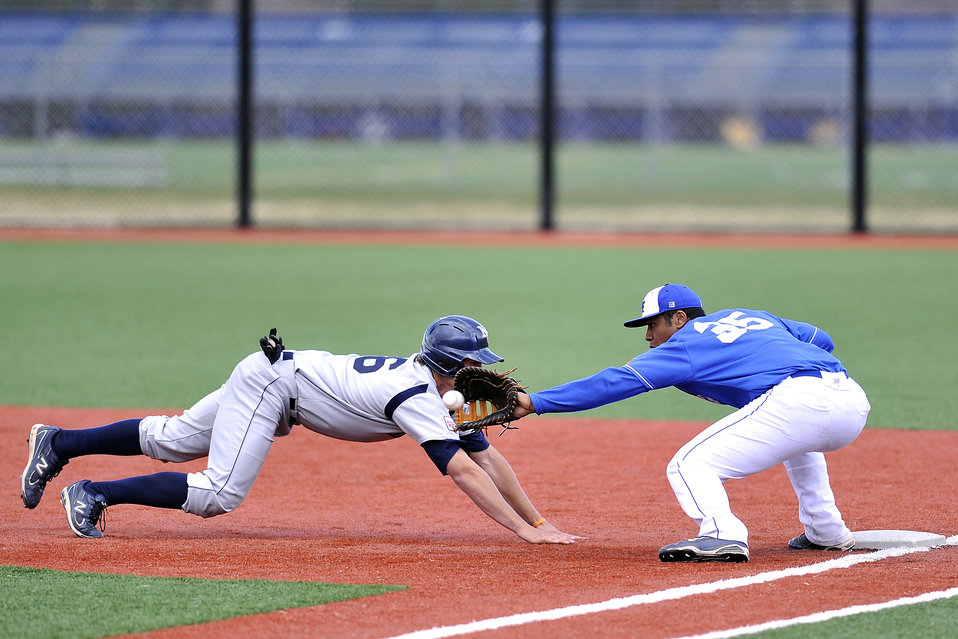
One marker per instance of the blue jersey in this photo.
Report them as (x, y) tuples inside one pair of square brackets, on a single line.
[(729, 357)]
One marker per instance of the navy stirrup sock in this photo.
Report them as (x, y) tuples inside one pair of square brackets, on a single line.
[(160, 490), (118, 438)]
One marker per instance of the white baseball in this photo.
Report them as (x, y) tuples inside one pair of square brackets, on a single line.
[(453, 400)]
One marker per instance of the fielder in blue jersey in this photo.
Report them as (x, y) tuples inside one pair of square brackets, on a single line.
[(795, 401)]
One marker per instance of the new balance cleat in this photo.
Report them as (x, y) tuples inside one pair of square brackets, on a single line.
[(42, 465), (85, 509), (804, 543), (705, 549)]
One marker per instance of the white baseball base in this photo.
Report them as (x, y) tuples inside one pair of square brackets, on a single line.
[(881, 539)]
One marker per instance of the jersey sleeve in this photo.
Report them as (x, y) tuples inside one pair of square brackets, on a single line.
[(606, 386), (474, 441), (666, 365), (663, 366), (424, 417), (441, 451), (809, 333)]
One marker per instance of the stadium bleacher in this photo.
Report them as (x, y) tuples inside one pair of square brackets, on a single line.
[(330, 75)]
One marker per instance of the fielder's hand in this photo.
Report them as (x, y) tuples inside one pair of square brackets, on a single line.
[(523, 406)]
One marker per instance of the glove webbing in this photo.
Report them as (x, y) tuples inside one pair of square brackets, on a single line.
[(471, 411)]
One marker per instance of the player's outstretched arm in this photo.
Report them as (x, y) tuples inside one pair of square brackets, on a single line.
[(497, 467), (479, 487)]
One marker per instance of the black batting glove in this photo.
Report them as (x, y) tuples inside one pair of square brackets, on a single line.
[(272, 346)]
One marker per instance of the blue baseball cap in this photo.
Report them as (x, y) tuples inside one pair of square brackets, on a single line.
[(668, 297)]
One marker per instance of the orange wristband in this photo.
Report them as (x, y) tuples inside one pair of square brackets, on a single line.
[(539, 523)]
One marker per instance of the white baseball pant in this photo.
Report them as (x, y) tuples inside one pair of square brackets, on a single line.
[(793, 423)]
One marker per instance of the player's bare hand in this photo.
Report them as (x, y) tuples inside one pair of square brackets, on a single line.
[(523, 406), (546, 534)]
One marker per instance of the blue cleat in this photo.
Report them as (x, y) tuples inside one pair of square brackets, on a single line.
[(705, 549), (42, 466), (85, 509), (804, 543)]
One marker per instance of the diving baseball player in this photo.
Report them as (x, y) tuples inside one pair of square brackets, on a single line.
[(351, 397), (795, 401)]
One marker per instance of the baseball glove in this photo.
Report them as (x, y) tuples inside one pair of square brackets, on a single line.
[(490, 398)]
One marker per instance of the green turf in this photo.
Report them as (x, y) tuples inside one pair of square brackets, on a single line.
[(48, 604), (776, 176), (932, 620), (157, 325)]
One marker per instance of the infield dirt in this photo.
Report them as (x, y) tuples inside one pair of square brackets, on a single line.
[(325, 510)]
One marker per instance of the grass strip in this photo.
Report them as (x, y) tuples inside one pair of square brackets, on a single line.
[(50, 604)]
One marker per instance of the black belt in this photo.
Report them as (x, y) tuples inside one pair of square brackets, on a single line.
[(293, 412)]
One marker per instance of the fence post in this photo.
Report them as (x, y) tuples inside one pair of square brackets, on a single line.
[(860, 117), (244, 112), (547, 109)]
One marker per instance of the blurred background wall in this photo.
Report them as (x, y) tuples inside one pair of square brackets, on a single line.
[(697, 115)]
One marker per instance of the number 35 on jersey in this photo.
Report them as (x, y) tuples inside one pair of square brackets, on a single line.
[(732, 326)]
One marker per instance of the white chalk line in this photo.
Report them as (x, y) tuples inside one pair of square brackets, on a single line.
[(819, 617), (826, 616), (668, 594)]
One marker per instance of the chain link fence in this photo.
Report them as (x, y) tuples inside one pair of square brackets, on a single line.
[(680, 116)]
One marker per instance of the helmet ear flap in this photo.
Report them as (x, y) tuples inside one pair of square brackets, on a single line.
[(442, 365), (438, 349)]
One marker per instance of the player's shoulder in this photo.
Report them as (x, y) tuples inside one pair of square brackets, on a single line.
[(727, 326), (383, 364), (394, 370), (733, 311), (308, 356), (736, 315)]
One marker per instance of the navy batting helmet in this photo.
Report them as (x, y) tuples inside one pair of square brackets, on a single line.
[(451, 339)]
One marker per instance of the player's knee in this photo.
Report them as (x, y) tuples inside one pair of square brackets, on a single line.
[(679, 471), (673, 466), (150, 439), (160, 439), (672, 472), (204, 500)]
